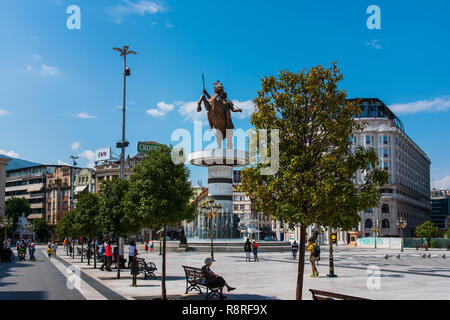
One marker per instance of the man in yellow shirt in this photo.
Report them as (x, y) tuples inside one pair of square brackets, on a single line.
[(313, 258)]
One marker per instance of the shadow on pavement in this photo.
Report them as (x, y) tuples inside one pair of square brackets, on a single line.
[(23, 295)]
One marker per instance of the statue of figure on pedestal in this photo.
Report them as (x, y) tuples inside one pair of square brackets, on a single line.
[(22, 225), (219, 110)]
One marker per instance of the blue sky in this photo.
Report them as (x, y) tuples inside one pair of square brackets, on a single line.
[(61, 88)]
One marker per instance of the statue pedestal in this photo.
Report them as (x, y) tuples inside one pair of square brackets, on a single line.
[(220, 163)]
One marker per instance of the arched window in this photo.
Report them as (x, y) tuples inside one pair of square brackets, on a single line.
[(385, 224), (368, 224), (385, 208)]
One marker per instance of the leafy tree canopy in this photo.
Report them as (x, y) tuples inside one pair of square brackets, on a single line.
[(427, 230), (317, 165), (160, 190)]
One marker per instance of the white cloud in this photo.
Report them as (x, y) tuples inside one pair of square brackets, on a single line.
[(29, 68), (189, 110), (37, 57), (49, 71), (4, 112), (138, 7), (441, 184), (431, 105), (161, 111), (75, 146), (85, 115), (61, 163), (9, 153), (374, 44), (90, 156)]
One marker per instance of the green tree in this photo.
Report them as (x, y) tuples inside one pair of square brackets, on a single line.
[(159, 195), (447, 234), (427, 230), (67, 227), (14, 207), (316, 166), (87, 212), (113, 217), (41, 229)]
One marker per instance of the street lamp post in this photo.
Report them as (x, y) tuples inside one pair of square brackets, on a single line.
[(123, 143), (211, 209), (126, 72), (376, 229), (401, 224)]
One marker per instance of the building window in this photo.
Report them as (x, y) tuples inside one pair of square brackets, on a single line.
[(385, 224), (386, 152), (385, 208), (368, 138), (369, 211), (386, 139), (368, 224)]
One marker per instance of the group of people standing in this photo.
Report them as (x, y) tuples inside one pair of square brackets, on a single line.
[(51, 249), (249, 247)]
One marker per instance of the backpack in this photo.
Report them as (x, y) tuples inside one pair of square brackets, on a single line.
[(316, 251)]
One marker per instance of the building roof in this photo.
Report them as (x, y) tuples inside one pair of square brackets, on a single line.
[(16, 164)]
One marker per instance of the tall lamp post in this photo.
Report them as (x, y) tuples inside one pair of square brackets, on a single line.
[(376, 229), (211, 210), (401, 224), (123, 144), (331, 259)]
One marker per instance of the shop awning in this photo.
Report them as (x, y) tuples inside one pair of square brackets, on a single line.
[(80, 189)]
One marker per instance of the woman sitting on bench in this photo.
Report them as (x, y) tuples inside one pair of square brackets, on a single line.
[(213, 280)]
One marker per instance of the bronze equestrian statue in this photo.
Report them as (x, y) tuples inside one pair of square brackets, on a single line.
[(218, 109)]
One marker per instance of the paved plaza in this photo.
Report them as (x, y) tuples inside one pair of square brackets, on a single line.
[(361, 272)]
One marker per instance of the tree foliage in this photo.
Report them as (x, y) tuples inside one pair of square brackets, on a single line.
[(113, 216), (160, 191), (87, 211), (14, 207), (67, 227), (427, 230), (41, 229), (317, 165), (159, 196)]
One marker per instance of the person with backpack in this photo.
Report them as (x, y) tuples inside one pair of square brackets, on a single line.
[(315, 256), (247, 250), (255, 251), (103, 254)]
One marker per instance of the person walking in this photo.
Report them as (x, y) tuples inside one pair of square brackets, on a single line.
[(294, 250), (255, 246), (108, 255), (31, 250), (54, 248), (49, 250), (132, 252), (314, 257), (102, 253), (213, 280), (247, 249), (151, 246), (146, 247)]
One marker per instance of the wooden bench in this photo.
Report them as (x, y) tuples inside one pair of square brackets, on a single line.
[(195, 279), (147, 268), (324, 295)]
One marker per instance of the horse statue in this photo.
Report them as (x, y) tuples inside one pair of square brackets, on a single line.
[(219, 109)]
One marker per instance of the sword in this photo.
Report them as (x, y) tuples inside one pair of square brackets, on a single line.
[(203, 78)]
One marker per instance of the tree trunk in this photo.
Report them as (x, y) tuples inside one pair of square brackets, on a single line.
[(118, 260), (73, 250), (95, 253), (81, 250), (301, 263), (89, 252), (163, 278)]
